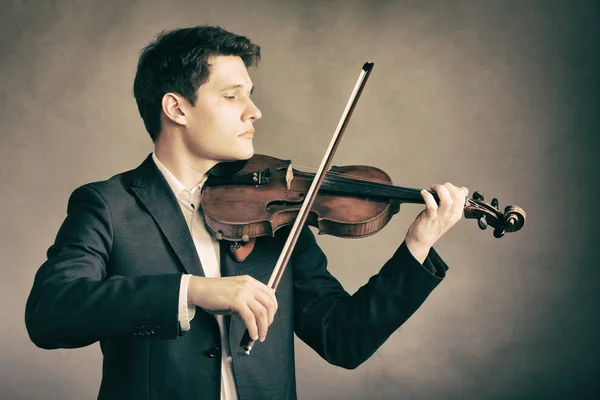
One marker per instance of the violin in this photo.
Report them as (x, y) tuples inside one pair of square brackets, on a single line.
[(258, 196), (243, 200)]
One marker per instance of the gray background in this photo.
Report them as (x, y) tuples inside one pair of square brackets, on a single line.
[(498, 96)]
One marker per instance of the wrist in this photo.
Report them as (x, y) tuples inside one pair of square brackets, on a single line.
[(418, 250), (193, 289)]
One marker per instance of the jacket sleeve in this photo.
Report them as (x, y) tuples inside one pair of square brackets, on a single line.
[(346, 330), (73, 302)]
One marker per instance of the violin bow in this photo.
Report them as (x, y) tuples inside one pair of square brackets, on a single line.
[(247, 343)]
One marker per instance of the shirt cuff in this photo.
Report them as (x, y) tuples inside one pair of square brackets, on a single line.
[(186, 310)]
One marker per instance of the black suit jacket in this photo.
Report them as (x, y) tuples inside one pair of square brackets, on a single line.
[(113, 276)]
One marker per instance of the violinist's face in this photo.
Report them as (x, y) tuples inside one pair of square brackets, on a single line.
[(223, 112)]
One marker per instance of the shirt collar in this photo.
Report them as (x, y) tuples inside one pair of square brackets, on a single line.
[(190, 198)]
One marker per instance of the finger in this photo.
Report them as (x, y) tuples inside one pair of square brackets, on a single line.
[(431, 205), (462, 201), (458, 198), (260, 315), (461, 198), (249, 320), (246, 298), (453, 190), (271, 301), (445, 199), (458, 193), (268, 303)]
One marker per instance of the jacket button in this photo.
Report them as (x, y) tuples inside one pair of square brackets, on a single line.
[(214, 352)]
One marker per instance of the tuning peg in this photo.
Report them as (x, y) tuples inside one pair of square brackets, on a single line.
[(477, 196), (499, 232), (495, 203), (482, 222)]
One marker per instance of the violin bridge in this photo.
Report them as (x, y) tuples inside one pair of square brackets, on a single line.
[(289, 176)]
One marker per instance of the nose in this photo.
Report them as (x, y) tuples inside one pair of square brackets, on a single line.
[(252, 112)]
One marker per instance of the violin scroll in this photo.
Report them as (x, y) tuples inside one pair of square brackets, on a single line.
[(487, 214)]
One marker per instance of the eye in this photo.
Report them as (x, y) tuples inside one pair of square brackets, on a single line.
[(230, 97)]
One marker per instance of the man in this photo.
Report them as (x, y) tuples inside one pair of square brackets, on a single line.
[(134, 267)]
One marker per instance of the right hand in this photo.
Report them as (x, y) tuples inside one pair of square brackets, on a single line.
[(252, 300)]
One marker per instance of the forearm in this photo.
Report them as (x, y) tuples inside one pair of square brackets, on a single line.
[(346, 330)]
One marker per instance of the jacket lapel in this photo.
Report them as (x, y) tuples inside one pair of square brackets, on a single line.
[(153, 191)]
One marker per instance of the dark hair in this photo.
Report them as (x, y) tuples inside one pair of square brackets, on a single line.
[(177, 61)]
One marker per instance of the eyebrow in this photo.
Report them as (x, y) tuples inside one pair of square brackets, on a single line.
[(236, 86)]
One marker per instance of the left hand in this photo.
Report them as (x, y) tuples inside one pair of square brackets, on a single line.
[(433, 222)]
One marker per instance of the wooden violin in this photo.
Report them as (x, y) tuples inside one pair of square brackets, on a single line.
[(258, 196)]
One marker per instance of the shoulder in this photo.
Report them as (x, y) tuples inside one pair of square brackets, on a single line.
[(115, 188)]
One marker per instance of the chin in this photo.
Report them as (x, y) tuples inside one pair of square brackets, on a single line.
[(246, 153), (243, 153)]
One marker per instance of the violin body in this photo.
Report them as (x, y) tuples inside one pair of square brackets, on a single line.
[(239, 211)]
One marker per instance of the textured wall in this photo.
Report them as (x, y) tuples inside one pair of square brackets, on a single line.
[(498, 96)]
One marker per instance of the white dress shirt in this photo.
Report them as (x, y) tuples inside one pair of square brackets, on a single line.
[(208, 252)]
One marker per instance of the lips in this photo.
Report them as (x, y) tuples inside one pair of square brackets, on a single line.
[(249, 132)]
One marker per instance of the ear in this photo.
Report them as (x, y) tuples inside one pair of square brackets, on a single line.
[(171, 107)]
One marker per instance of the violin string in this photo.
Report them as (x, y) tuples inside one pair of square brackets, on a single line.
[(347, 176), (309, 170), (374, 184), (352, 177), (366, 180)]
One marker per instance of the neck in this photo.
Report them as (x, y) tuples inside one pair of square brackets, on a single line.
[(187, 167)]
